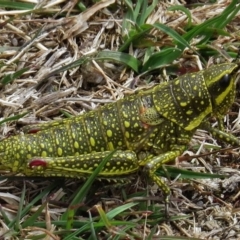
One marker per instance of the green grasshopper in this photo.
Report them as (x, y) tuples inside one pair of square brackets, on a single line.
[(147, 129)]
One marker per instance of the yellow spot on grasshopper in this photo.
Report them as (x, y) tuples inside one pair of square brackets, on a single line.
[(44, 154), (183, 104), (92, 141), (59, 151), (109, 133), (76, 145), (189, 112), (136, 125), (110, 146), (15, 166), (126, 124)]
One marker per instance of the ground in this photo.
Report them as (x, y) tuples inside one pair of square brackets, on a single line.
[(54, 64)]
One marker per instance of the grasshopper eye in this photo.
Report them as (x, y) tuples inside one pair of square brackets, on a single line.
[(225, 81)]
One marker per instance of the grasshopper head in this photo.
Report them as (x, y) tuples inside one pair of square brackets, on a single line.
[(221, 84)]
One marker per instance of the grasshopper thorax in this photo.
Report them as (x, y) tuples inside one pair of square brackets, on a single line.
[(191, 98)]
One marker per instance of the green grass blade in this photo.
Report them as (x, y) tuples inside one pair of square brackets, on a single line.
[(160, 59), (29, 221), (123, 58), (84, 190), (103, 217), (135, 35), (69, 66), (13, 118), (136, 11), (34, 201), (149, 10), (179, 238), (72, 65), (4, 216), (185, 10), (11, 77), (145, 11), (137, 14), (231, 13), (113, 213), (178, 39), (78, 231), (186, 174), (93, 230), (16, 5), (20, 207), (128, 18), (213, 22)]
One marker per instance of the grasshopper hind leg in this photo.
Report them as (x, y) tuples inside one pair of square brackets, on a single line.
[(121, 165)]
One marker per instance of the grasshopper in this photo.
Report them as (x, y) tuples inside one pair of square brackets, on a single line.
[(157, 123)]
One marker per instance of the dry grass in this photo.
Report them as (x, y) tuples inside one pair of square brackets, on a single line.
[(55, 35)]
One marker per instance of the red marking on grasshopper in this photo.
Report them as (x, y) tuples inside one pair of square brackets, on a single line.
[(34, 130), (38, 162), (184, 70), (142, 110)]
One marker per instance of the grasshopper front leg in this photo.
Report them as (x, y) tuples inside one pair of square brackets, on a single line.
[(152, 163), (221, 135)]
